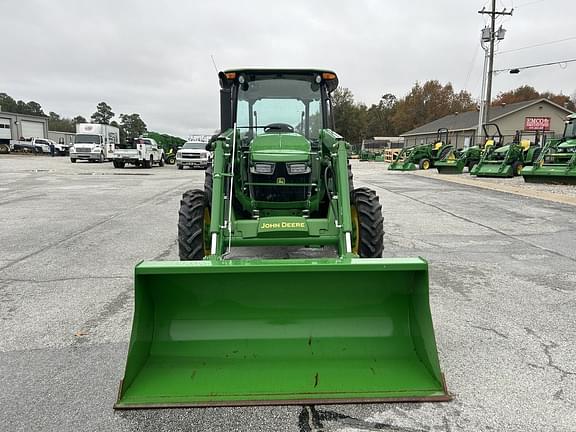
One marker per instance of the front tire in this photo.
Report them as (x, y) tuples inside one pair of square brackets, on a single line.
[(72, 160), (180, 167), (194, 226), (367, 224), (161, 161), (424, 164)]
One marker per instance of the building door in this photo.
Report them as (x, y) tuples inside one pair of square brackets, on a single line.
[(5, 132), (32, 129)]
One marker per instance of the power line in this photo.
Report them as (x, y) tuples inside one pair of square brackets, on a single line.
[(536, 65), (536, 45)]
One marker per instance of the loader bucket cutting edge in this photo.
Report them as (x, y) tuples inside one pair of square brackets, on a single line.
[(209, 333), (406, 166)]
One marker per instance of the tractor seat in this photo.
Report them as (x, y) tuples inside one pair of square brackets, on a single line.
[(525, 144)]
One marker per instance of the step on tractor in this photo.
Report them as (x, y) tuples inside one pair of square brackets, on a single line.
[(557, 162), (505, 160), (423, 156), (216, 330), (456, 160)]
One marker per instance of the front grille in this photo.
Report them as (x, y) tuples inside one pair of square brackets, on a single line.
[(191, 155), (83, 149), (280, 193)]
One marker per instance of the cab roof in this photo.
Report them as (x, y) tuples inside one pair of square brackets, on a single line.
[(283, 71)]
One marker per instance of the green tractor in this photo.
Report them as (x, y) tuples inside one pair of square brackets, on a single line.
[(213, 330), (504, 160), (557, 162), (456, 160), (423, 156)]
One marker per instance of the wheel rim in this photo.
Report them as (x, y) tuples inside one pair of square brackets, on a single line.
[(206, 231), (355, 230), (425, 165), (519, 169)]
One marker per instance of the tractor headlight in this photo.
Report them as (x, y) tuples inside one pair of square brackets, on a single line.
[(262, 168), (297, 168)]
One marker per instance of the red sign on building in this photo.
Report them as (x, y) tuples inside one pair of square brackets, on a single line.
[(537, 123)]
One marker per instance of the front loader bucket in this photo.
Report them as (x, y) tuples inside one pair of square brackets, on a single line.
[(493, 170), (450, 167), (402, 166), (552, 174), (212, 333)]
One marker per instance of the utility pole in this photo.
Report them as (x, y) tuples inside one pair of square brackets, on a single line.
[(489, 34)]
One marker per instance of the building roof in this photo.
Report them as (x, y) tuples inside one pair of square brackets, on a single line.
[(469, 120)]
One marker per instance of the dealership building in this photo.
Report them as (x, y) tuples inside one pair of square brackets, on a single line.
[(15, 126), (527, 117)]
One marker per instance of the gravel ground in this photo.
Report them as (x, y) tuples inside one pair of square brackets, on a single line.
[(502, 293)]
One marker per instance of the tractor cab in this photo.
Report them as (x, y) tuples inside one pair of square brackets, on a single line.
[(278, 117)]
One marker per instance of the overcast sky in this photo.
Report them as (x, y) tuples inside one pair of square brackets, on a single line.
[(153, 57)]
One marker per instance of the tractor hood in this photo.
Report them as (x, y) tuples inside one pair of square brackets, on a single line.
[(280, 147), (502, 149), (568, 144)]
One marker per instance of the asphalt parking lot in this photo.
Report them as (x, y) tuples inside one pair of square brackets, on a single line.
[(502, 294)]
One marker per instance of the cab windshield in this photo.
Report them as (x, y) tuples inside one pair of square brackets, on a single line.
[(571, 129), (194, 146), (291, 103), (88, 139)]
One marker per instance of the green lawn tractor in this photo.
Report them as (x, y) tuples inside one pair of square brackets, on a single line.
[(214, 330), (557, 162), (504, 160), (423, 156), (456, 160)]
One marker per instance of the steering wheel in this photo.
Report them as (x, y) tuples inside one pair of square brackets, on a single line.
[(279, 127)]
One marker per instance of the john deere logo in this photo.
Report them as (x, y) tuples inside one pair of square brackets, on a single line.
[(280, 180)]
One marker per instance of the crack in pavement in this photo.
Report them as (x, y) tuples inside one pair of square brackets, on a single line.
[(547, 348), (109, 309), (491, 330)]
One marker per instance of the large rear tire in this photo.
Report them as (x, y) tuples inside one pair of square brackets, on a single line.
[(367, 223), (194, 226)]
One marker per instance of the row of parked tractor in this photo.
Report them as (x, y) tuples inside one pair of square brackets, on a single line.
[(538, 161)]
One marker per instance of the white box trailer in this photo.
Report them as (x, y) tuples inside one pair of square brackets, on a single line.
[(94, 142)]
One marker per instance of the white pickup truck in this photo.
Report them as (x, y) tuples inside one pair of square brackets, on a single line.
[(145, 154), (193, 154)]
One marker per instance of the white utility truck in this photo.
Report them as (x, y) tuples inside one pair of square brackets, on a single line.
[(146, 153), (193, 153), (94, 142)]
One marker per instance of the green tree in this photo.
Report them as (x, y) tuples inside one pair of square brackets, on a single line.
[(122, 132), (133, 125), (57, 123), (78, 119), (428, 102), (7, 103), (350, 118), (34, 108), (527, 93), (103, 114), (379, 117)]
